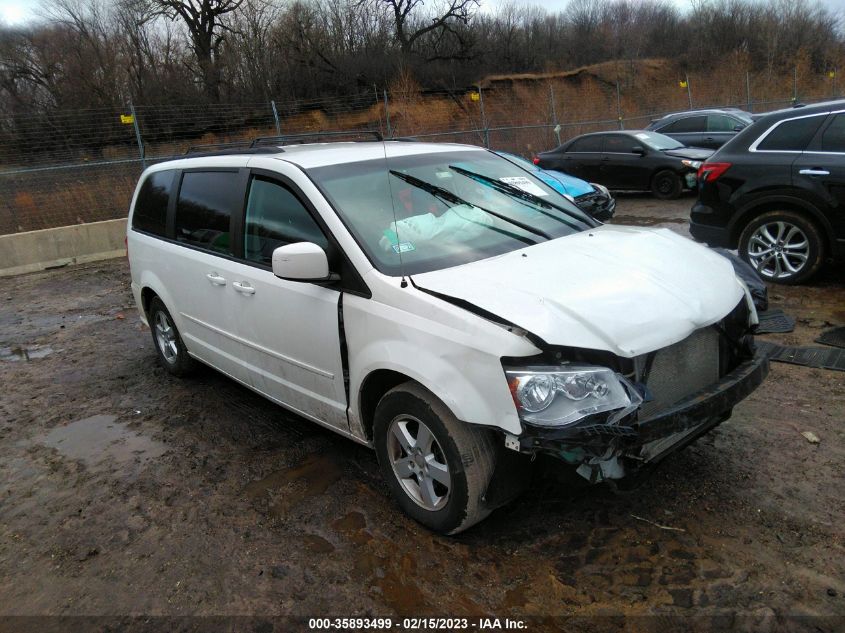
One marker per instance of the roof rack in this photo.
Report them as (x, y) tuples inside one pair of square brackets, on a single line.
[(284, 138), (270, 144)]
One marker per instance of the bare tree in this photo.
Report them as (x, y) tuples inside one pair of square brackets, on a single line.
[(410, 25), (205, 21)]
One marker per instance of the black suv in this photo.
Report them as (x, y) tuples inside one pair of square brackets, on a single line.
[(776, 192), (702, 128)]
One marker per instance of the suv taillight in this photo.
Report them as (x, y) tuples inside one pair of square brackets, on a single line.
[(709, 172), (536, 160)]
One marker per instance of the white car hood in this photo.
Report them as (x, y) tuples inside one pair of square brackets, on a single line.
[(616, 288)]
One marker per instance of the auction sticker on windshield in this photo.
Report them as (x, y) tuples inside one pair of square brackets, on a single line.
[(521, 182)]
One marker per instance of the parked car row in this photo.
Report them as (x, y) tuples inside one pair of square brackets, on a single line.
[(771, 186)]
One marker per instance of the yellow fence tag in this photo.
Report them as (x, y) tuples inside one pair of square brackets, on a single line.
[(127, 119), (474, 96), (682, 84)]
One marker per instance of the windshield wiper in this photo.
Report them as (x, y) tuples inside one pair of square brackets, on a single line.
[(451, 198), (521, 194)]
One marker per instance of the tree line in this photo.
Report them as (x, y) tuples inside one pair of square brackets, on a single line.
[(98, 53)]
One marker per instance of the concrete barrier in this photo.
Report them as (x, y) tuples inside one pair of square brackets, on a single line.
[(48, 248)]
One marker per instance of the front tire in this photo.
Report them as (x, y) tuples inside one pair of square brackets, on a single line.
[(172, 353), (437, 467), (784, 247), (666, 185)]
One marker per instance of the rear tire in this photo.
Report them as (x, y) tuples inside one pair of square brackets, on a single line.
[(784, 247), (172, 353), (666, 185), (437, 467)]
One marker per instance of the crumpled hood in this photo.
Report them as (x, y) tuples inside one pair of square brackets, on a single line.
[(692, 153), (621, 289)]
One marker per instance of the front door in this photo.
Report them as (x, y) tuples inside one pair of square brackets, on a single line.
[(289, 330)]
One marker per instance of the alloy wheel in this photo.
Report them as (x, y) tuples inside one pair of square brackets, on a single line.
[(778, 250), (418, 462), (166, 337)]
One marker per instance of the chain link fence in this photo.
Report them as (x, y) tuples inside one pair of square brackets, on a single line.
[(64, 168)]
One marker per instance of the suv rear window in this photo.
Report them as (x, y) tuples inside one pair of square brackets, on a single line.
[(150, 213), (688, 124), (204, 209), (833, 138), (792, 136)]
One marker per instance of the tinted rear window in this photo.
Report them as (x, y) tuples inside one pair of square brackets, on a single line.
[(204, 209), (151, 206), (833, 138), (688, 124), (792, 136), (587, 144)]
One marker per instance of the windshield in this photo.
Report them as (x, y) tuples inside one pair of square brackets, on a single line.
[(526, 164), (450, 208), (658, 141)]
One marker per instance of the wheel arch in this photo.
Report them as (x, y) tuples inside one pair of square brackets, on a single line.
[(758, 207), (373, 387)]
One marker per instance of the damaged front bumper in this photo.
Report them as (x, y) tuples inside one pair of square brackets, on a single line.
[(604, 450)]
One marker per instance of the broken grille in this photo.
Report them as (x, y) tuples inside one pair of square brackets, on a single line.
[(682, 369)]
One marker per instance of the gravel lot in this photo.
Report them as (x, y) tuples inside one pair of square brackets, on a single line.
[(124, 491)]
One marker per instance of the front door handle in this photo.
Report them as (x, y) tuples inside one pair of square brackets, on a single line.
[(216, 279), (814, 172), (243, 287)]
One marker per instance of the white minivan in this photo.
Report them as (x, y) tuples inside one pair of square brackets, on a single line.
[(442, 305)]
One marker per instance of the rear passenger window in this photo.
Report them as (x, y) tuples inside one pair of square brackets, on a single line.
[(204, 209), (150, 213), (689, 124), (275, 217), (587, 144), (833, 138), (792, 136), (722, 123)]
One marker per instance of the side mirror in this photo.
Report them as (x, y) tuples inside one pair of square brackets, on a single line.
[(738, 128), (302, 261), (639, 150)]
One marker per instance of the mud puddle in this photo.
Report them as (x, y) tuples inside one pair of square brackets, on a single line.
[(292, 486), (24, 352), (102, 437)]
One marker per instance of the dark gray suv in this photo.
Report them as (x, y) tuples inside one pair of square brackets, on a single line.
[(777, 193), (702, 128)]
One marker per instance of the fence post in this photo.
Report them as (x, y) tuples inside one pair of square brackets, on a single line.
[(689, 91), (276, 118), (619, 106), (794, 85), (138, 135), (556, 128), (749, 103), (484, 119), (387, 115)]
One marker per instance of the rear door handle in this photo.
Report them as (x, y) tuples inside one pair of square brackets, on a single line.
[(814, 172), (216, 279), (243, 287)]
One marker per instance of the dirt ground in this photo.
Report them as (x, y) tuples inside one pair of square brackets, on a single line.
[(125, 491)]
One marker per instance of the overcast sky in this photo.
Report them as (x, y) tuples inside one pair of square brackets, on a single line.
[(18, 11)]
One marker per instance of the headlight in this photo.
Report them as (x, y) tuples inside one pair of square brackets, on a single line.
[(600, 188), (692, 164), (558, 396)]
